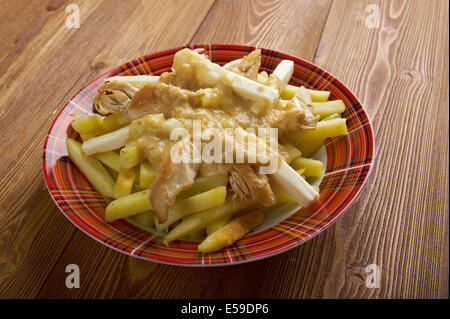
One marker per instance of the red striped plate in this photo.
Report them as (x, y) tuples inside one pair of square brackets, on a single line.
[(349, 162)]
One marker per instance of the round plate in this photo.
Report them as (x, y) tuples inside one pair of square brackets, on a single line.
[(349, 162)]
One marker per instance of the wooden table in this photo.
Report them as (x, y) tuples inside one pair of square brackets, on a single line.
[(397, 65)]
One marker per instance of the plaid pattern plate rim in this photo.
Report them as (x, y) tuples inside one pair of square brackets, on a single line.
[(350, 160)]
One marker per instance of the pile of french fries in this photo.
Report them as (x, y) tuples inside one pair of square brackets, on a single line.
[(206, 212)]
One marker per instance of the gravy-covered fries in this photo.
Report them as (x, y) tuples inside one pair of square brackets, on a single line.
[(189, 154)]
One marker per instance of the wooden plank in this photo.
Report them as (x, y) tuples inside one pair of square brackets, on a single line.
[(288, 26), (16, 32), (400, 73), (53, 63), (31, 239), (106, 273)]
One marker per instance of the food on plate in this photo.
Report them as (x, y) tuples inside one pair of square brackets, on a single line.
[(196, 152), (232, 231)]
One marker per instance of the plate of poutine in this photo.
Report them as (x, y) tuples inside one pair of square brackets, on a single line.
[(208, 155)]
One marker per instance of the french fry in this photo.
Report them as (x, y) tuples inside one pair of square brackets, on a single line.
[(324, 109), (127, 206), (113, 122), (280, 193), (146, 175), (332, 116), (232, 231), (309, 141), (113, 140), (145, 218), (110, 159), (169, 125), (94, 171), (86, 136), (283, 72), (310, 145), (210, 99), (203, 184), (125, 181), (107, 142), (134, 79), (311, 166), (319, 96), (130, 155), (262, 77), (87, 124), (218, 224), (302, 95), (293, 152), (231, 64), (289, 92), (203, 219), (197, 203), (294, 185), (93, 125)]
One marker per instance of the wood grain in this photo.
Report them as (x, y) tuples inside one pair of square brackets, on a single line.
[(288, 26), (52, 66), (399, 71)]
